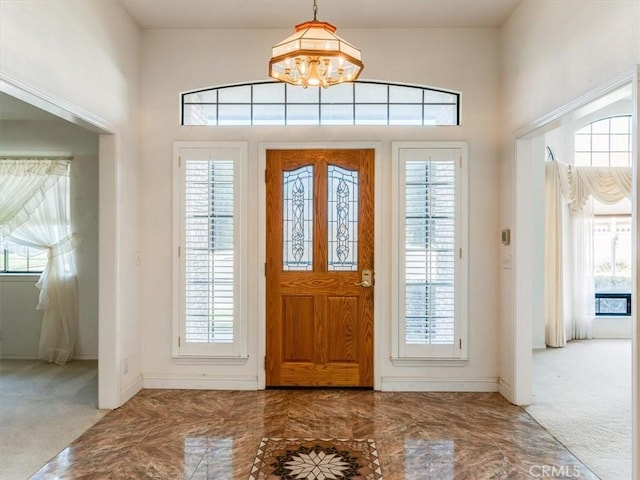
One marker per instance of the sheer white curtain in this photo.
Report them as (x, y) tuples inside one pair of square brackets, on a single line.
[(47, 227), (580, 288), (23, 184)]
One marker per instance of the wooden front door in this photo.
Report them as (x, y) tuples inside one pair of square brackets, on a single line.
[(320, 212)]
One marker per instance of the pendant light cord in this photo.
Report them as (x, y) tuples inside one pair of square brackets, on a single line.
[(315, 10)]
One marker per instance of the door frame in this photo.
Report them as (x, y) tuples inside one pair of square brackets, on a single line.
[(110, 394), (381, 280), (519, 392)]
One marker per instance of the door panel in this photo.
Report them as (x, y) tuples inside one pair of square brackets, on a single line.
[(320, 233), (342, 313), (297, 328)]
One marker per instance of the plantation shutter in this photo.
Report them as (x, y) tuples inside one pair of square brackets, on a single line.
[(431, 233), (209, 255), (430, 252), (210, 265)]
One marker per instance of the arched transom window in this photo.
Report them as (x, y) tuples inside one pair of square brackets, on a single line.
[(356, 103), (604, 143)]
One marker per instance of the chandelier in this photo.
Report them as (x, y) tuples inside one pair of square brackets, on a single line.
[(315, 56)]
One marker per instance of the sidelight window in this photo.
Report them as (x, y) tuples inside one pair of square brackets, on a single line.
[(208, 261), (431, 251)]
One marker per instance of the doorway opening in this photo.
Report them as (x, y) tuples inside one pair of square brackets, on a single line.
[(534, 325)]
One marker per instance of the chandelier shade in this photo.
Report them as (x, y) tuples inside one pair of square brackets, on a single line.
[(315, 56)]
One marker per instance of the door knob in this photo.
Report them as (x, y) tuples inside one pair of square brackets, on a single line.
[(367, 278)]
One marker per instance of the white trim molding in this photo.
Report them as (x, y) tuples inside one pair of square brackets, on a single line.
[(504, 388), (12, 85), (201, 382), (131, 389), (425, 384)]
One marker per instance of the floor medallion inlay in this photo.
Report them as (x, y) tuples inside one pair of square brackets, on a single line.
[(316, 459)]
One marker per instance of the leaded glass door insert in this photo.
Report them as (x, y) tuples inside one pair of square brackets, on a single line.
[(343, 218), (297, 210), (320, 213)]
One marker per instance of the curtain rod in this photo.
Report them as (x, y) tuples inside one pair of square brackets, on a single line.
[(35, 157)]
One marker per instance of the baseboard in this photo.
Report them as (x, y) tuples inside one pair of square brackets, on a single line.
[(131, 389), (11, 356), (85, 356), (200, 382), (505, 389), (421, 384)]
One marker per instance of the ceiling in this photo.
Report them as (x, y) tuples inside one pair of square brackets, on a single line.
[(287, 13), (341, 13)]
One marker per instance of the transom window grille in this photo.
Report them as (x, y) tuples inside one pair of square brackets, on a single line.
[(209, 264), (431, 234), (604, 143), (356, 103)]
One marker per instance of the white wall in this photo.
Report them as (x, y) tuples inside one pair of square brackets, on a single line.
[(175, 61), (84, 55), (551, 53), (19, 321)]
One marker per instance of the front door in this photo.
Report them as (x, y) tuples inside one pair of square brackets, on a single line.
[(320, 212)]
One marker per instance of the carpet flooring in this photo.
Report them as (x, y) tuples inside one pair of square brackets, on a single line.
[(43, 408), (582, 396)]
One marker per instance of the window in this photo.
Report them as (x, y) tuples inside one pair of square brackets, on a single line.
[(33, 186), (604, 143), (613, 304), (356, 103), (430, 266), (607, 143), (20, 259), (612, 253), (209, 265)]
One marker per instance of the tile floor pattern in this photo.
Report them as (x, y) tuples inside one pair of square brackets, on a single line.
[(316, 459), (197, 434)]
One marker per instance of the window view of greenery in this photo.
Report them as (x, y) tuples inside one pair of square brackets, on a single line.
[(612, 253), (21, 259)]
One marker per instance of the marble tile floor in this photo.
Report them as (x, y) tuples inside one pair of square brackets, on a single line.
[(197, 434)]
